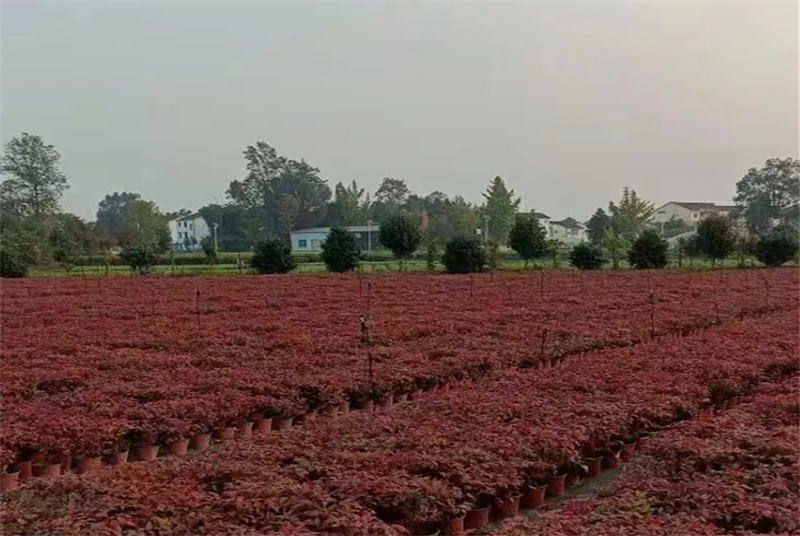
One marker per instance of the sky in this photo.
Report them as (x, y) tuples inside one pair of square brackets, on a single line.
[(567, 101)]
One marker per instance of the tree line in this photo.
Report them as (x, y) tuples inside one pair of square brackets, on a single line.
[(278, 194)]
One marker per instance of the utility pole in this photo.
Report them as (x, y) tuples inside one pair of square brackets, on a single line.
[(486, 219), (216, 247)]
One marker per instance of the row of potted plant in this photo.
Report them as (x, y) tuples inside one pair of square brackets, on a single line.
[(84, 386), (424, 465)]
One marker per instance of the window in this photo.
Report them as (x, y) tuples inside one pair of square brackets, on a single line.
[(302, 243)]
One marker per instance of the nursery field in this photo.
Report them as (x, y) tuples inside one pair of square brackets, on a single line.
[(238, 395)]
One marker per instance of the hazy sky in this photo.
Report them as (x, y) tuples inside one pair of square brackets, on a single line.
[(568, 101)]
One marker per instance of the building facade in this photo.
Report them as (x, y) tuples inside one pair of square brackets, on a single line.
[(310, 240), (689, 212), (187, 232)]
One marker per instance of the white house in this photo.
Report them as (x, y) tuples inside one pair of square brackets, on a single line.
[(311, 239), (187, 232), (569, 231), (689, 212)]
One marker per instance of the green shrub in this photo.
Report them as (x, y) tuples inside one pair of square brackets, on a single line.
[(13, 264), (340, 251), (648, 251), (715, 237), (273, 256), (140, 260), (528, 238), (494, 257), (586, 256), (401, 234), (777, 248), (464, 255)]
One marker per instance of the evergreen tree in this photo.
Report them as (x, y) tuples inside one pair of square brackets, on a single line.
[(464, 255), (597, 225), (528, 238), (715, 237), (501, 208), (777, 248), (273, 256), (586, 256), (648, 251), (340, 251), (401, 234)]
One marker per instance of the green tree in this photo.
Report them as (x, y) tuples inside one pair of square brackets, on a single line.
[(648, 251), (778, 247), (770, 193), (464, 255), (69, 238), (715, 237), (674, 227), (501, 207), (19, 244), (615, 245), (144, 235), (597, 225), (283, 194), (631, 214), (350, 205), (431, 252), (586, 256), (111, 211), (239, 228), (340, 251), (528, 238), (273, 256), (35, 182), (401, 234), (390, 197), (552, 249), (494, 256)]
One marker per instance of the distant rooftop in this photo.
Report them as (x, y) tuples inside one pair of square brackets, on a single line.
[(189, 217), (692, 205), (569, 223), (352, 229)]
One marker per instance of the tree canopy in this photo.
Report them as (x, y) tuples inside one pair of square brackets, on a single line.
[(597, 225), (527, 237), (501, 207), (770, 193), (630, 215), (111, 211), (715, 237), (35, 181)]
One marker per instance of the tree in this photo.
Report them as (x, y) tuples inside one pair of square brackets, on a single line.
[(273, 256), (674, 227), (615, 245), (350, 206), (111, 211), (391, 195), (648, 251), (501, 208), (527, 237), (597, 225), (69, 239), (283, 194), (18, 246), (778, 248), (239, 228), (770, 193), (144, 234), (464, 255), (401, 234), (431, 252), (715, 237), (586, 256), (340, 251), (631, 214), (36, 181), (553, 248), (494, 256)]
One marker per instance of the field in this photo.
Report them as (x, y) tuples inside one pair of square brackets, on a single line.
[(475, 390)]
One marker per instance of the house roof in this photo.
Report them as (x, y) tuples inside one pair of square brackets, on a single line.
[(691, 205), (568, 223), (189, 217), (351, 229), (537, 215)]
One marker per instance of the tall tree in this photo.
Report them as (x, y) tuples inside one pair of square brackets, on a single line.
[(350, 205), (144, 228), (35, 182), (282, 193), (770, 193), (390, 197), (715, 237), (239, 228), (501, 208), (631, 214), (615, 245), (402, 235), (597, 225), (528, 238), (111, 211)]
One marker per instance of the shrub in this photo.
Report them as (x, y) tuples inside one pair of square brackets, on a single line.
[(401, 234), (777, 248), (431, 253), (464, 255), (715, 237), (209, 250), (586, 256), (340, 251), (648, 251), (527, 237), (273, 256), (12, 264), (140, 260), (494, 256)]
